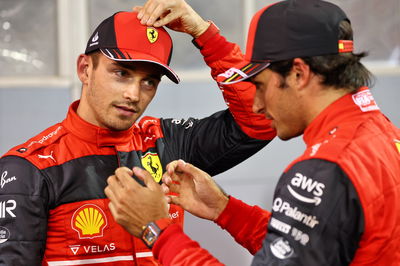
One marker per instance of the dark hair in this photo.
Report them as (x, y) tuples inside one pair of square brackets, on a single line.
[(343, 70)]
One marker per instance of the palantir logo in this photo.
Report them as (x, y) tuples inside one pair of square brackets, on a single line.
[(306, 184)]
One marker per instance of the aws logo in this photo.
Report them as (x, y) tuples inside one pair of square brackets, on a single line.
[(89, 221), (152, 34), (152, 164), (307, 185)]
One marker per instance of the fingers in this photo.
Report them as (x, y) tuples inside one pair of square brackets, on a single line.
[(156, 14), (192, 170), (124, 177), (166, 19), (147, 178), (174, 200)]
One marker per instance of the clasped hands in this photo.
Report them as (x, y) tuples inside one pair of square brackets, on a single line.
[(134, 206)]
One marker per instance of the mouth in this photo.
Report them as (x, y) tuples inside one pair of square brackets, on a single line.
[(126, 110)]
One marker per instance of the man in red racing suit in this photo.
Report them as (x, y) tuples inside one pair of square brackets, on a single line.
[(53, 210), (339, 202)]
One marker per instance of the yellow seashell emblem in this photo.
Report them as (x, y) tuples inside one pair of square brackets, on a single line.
[(89, 221)]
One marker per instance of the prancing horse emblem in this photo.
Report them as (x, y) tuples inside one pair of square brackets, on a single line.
[(152, 164), (152, 34)]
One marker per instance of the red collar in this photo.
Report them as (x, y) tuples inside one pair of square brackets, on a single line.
[(351, 108), (94, 134)]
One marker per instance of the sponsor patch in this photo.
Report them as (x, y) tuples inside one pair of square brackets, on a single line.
[(280, 226), (298, 235), (308, 185), (4, 234), (89, 221), (152, 164), (49, 156), (281, 248), (91, 249), (6, 179), (44, 138), (365, 101), (284, 207), (22, 150), (152, 34), (7, 208)]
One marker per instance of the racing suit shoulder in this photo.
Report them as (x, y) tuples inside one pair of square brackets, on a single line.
[(317, 217), (35, 148), (25, 196)]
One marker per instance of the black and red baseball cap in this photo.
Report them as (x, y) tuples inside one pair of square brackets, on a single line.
[(290, 29), (122, 37)]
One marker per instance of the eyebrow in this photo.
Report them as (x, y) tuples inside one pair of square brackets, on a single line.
[(134, 68)]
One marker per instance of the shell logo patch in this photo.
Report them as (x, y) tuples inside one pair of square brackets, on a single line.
[(152, 164), (152, 34), (89, 221)]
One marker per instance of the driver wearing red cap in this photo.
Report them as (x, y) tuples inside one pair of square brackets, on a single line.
[(53, 210), (336, 204)]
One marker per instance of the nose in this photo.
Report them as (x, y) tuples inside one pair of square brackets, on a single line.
[(132, 92), (258, 104)]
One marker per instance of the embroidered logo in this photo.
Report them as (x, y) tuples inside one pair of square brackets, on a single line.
[(5, 180), (89, 221), (152, 164), (152, 34), (365, 101), (50, 156)]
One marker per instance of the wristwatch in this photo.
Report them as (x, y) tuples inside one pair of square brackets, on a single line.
[(152, 231)]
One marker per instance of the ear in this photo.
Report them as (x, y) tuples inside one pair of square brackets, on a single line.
[(302, 73), (82, 68)]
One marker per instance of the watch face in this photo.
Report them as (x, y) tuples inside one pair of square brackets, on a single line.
[(150, 234)]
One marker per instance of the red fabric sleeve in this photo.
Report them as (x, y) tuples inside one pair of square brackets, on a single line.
[(220, 55), (174, 247), (246, 224)]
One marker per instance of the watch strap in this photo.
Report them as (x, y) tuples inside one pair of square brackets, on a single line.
[(153, 230)]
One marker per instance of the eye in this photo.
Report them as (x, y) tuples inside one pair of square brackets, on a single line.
[(149, 84), (121, 73)]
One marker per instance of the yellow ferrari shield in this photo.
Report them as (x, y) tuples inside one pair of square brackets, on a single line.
[(152, 34), (152, 164)]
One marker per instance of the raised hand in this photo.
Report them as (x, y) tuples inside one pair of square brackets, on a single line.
[(175, 14), (133, 205), (194, 190)]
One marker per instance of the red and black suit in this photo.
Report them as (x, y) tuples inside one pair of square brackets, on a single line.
[(53, 209)]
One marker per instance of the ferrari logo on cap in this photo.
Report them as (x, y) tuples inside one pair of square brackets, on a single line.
[(152, 164), (152, 34)]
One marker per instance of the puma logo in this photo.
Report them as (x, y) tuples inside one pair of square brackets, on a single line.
[(47, 156)]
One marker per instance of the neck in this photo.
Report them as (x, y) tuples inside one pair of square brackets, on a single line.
[(319, 98)]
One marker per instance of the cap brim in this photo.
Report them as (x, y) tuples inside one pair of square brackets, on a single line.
[(242, 72), (132, 56)]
